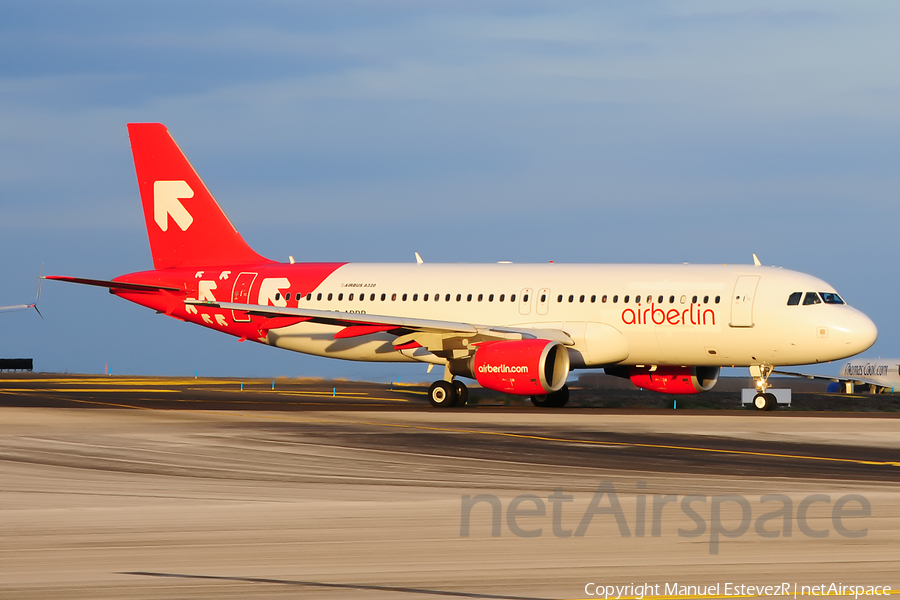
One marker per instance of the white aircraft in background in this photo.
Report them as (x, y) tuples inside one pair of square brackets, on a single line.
[(514, 328), (877, 375)]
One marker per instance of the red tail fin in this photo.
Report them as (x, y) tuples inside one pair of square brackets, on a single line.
[(184, 222)]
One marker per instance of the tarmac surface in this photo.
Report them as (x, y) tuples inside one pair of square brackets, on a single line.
[(132, 487)]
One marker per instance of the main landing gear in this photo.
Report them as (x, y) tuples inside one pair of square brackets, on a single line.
[(763, 400), (447, 394), (556, 399)]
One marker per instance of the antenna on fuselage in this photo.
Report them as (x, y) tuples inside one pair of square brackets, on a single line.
[(419, 260), (756, 262)]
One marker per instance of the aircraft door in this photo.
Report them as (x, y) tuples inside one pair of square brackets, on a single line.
[(525, 301), (543, 301), (742, 301), (241, 294)]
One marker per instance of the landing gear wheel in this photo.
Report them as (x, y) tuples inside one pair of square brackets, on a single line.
[(541, 401), (764, 402), (442, 394), (560, 397), (557, 399), (462, 393)]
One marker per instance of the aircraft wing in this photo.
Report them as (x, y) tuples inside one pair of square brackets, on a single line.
[(407, 329), (833, 378)]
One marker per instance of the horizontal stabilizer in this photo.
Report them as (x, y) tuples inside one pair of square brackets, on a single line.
[(115, 285)]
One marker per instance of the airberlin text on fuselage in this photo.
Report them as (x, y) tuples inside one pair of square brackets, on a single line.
[(503, 369), (692, 315)]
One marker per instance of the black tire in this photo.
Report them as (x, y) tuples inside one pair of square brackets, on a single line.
[(556, 399), (462, 393), (541, 401), (765, 402), (560, 397), (442, 394)]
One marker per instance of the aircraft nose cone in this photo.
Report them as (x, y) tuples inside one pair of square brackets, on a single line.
[(861, 332)]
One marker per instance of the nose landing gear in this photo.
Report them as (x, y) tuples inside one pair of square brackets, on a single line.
[(763, 400)]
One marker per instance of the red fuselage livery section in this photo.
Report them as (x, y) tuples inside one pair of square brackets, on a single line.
[(666, 327)]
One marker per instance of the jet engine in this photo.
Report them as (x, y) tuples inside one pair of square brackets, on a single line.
[(668, 379), (522, 367)]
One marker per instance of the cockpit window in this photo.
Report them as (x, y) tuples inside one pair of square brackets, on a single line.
[(811, 298), (831, 298), (794, 299)]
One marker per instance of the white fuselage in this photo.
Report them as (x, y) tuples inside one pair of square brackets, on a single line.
[(701, 315)]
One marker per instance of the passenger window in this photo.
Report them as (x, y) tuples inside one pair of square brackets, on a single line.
[(288, 296), (683, 299), (705, 299), (350, 297), (458, 297), (794, 299), (512, 298), (308, 297), (425, 298), (671, 299), (393, 297), (415, 297), (811, 298), (581, 298), (659, 300), (717, 299), (638, 299), (330, 296), (603, 299), (571, 297), (559, 298), (525, 298), (437, 297), (318, 297), (469, 298), (694, 300), (831, 298), (593, 298), (383, 296), (403, 297), (277, 295), (491, 298), (480, 297), (447, 298), (625, 300), (615, 299)]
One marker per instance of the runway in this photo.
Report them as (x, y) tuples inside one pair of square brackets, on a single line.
[(160, 488)]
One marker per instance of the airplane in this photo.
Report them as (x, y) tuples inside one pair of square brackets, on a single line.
[(877, 375), (513, 328)]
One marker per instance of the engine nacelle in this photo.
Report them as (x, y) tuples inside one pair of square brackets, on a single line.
[(672, 380), (522, 367)]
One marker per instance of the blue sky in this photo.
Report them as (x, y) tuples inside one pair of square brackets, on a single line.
[(469, 132)]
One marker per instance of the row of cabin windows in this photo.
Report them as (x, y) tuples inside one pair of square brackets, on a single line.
[(403, 297), (814, 298), (637, 299), (512, 298)]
